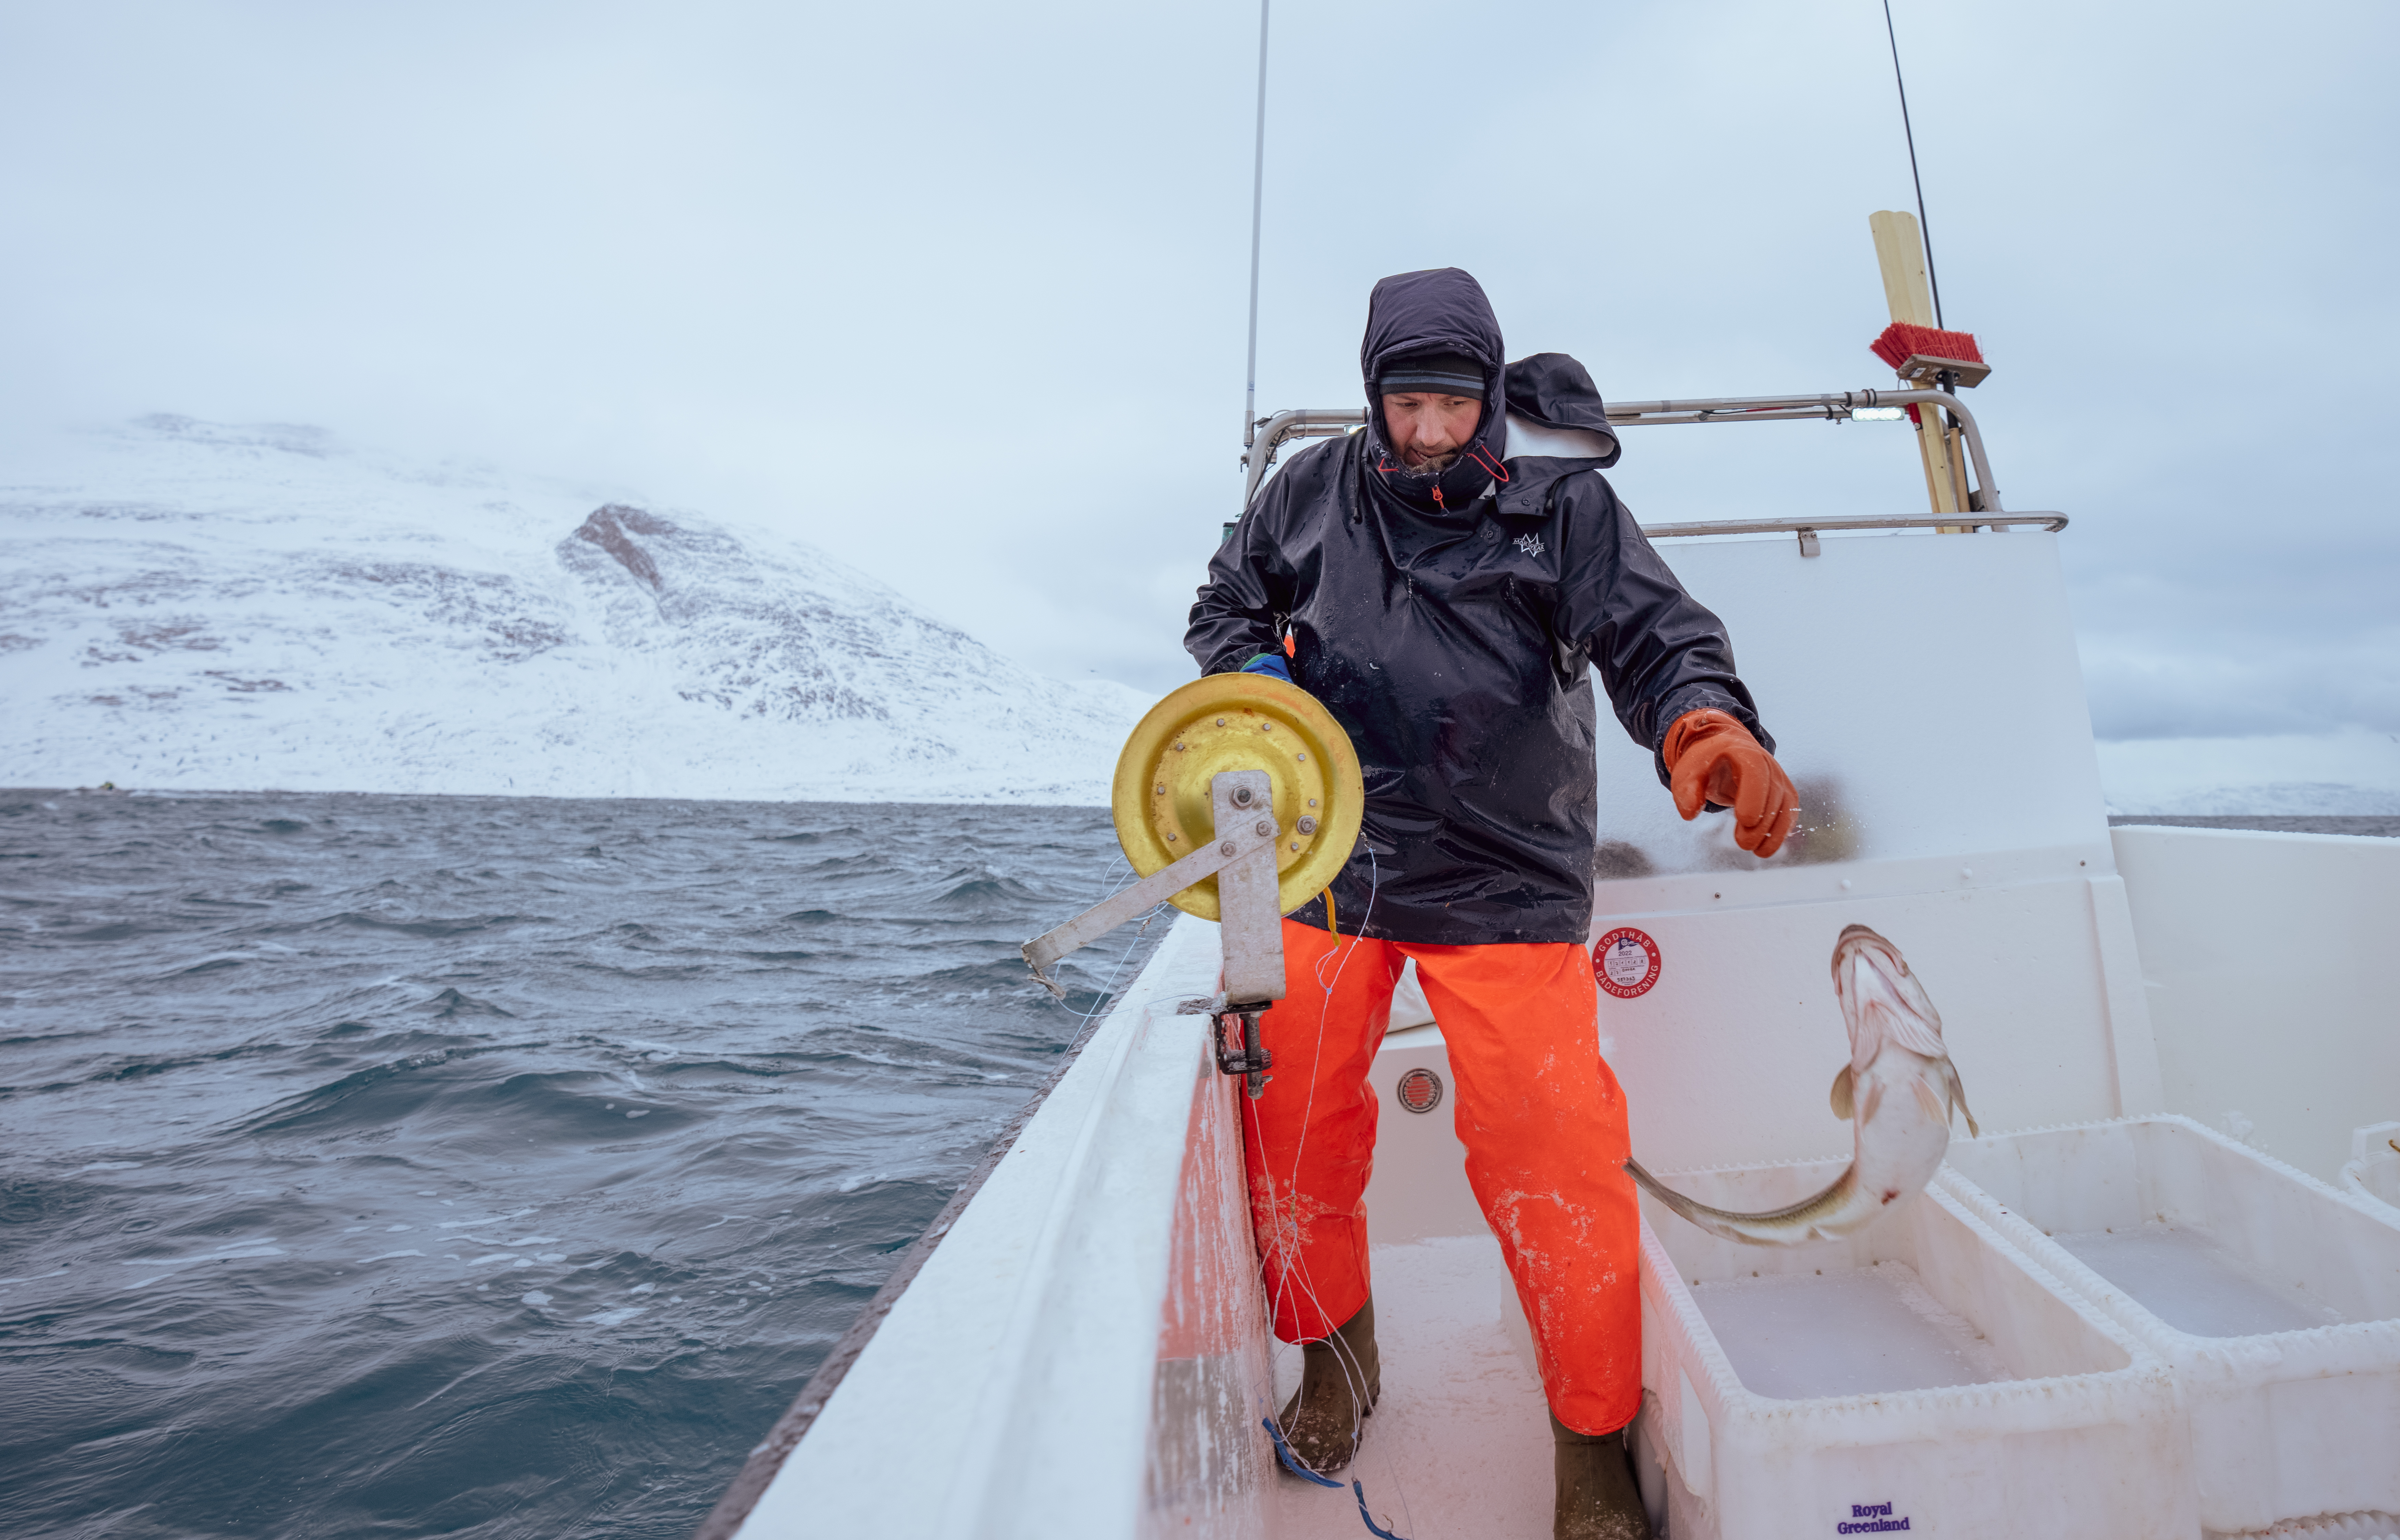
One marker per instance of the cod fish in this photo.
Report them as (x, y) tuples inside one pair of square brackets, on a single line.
[(1900, 1090)]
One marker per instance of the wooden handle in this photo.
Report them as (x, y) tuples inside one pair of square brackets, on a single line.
[(1900, 253)]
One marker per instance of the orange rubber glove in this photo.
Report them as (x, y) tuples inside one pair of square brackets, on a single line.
[(1711, 757)]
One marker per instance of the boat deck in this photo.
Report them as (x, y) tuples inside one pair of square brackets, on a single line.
[(1460, 1444)]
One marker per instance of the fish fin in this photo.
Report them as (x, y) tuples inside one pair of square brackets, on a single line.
[(1959, 1099), (1875, 1100), (1842, 1105), (1900, 1022), (1929, 1100)]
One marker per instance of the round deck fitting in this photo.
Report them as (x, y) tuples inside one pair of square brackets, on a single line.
[(1239, 722)]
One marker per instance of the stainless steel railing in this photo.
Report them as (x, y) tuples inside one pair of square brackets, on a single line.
[(1807, 530), (1984, 498)]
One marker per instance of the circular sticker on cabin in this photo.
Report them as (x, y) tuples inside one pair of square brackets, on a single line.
[(1625, 962), (1418, 1090)]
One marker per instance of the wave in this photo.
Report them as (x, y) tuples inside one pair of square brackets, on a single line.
[(450, 1003), (813, 837), (377, 1095), (432, 927), (581, 1130)]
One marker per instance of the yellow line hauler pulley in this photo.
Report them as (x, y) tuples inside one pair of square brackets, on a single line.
[(1237, 799)]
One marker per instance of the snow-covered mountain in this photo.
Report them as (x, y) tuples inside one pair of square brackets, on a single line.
[(187, 605)]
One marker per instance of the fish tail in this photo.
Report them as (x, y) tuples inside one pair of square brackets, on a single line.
[(1780, 1226), (1695, 1212), (1700, 1214)]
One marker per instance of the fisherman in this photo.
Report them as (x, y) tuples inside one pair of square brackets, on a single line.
[(1448, 605)]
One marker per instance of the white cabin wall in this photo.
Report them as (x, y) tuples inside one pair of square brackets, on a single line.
[(1730, 1057), (1923, 690), (1925, 695), (2267, 962)]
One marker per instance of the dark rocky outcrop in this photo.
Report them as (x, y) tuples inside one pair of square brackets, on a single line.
[(612, 529)]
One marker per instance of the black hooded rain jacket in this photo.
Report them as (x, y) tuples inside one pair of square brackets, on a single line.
[(1450, 623)]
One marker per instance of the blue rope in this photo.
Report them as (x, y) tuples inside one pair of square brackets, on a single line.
[(1372, 1528), (1358, 1488)]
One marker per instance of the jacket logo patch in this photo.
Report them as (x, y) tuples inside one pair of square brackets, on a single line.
[(1530, 544)]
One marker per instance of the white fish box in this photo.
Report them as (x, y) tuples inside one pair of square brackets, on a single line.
[(2373, 1169), (2275, 1299), (1920, 1376)]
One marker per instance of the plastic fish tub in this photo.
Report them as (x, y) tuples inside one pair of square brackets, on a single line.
[(1919, 1376), (2373, 1169), (2274, 1298)]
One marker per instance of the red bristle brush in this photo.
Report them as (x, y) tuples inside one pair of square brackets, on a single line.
[(1924, 353)]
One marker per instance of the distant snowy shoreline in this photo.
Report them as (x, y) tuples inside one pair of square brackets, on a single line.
[(190, 605), (2350, 773)]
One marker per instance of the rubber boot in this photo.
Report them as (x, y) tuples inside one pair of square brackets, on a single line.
[(1341, 1377), (1598, 1498)]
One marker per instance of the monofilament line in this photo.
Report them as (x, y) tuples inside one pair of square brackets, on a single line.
[(1924, 227), (1257, 193)]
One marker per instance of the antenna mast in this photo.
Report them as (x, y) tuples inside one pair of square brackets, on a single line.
[(1258, 188), (1932, 279)]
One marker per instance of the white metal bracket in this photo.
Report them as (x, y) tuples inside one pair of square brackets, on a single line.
[(1242, 858)]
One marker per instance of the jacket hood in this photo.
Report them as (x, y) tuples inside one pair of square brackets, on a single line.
[(1441, 309), (1553, 390)]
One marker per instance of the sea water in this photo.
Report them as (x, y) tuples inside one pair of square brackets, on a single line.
[(484, 1166)]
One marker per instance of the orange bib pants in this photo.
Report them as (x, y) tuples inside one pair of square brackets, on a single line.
[(1540, 1114)]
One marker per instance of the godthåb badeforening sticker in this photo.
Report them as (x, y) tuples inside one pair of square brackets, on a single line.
[(1625, 962)]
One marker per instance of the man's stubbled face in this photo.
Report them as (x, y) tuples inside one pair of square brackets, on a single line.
[(1427, 430)]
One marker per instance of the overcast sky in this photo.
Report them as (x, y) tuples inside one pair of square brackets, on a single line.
[(956, 291)]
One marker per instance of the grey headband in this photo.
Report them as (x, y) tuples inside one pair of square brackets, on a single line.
[(1438, 373)]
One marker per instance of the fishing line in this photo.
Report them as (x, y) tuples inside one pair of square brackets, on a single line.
[(1296, 1262), (1296, 1276), (1359, 1490), (1924, 227), (1258, 195), (1108, 990), (1291, 1461), (1375, 882), (1374, 885)]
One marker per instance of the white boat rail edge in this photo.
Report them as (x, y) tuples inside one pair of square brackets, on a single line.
[(767, 1455), (1049, 1283)]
